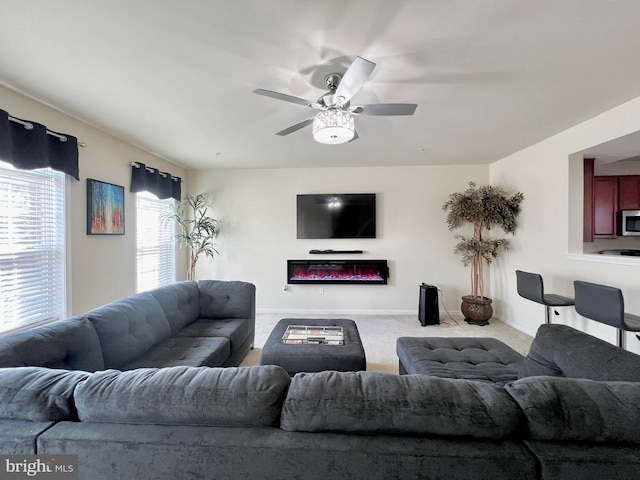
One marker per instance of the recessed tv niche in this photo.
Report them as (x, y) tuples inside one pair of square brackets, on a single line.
[(344, 215)]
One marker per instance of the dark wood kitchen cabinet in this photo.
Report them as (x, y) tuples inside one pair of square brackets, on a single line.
[(605, 205), (629, 192), (604, 195)]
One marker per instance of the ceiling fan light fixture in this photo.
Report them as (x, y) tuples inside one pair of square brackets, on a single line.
[(333, 126)]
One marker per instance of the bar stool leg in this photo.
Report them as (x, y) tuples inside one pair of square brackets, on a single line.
[(547, 316)]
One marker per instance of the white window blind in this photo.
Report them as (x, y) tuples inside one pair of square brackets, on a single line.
[(155, 246), (32, 247)]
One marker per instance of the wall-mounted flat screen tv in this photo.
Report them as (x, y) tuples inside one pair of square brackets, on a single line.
[(345, 215)]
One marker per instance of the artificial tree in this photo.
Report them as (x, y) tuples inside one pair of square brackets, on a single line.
[(484, 207), (196, 230)]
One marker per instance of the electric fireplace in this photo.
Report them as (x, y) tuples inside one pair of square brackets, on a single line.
[(370, 272)]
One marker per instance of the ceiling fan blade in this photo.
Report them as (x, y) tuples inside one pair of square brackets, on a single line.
[(385, 109), (353, 79), (296, 127), (285, 97)]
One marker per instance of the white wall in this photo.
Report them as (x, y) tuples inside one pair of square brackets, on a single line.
[(102, 267), (258, 235), (550, 234), (258, 212)]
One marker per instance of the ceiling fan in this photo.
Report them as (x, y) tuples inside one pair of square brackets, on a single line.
[(334, 122)]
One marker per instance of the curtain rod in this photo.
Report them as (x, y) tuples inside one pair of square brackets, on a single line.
[(149, 169), (29, 126)]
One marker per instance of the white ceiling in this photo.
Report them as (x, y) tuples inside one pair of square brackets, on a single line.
[(175, 77)]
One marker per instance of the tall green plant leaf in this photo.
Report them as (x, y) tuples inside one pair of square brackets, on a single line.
[(196, 230)]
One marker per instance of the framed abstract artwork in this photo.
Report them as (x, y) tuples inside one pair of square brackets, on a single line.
[(105, 208)]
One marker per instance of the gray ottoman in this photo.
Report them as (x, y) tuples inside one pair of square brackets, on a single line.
[(486, 359), (349, 357)]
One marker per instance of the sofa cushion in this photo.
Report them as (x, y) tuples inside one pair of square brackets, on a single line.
[(381, 403), (564, 460), (224, 299), (578, 410), (38, 394), (185, 351), (236, 396), (180, 302), (562, 351), (70, 344), (129, 327), (19, 437), (237, 330)]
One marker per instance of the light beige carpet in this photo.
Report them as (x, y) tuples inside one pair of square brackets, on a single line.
[(379, 334)]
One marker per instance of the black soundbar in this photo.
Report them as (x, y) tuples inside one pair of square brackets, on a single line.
[(315, 252)]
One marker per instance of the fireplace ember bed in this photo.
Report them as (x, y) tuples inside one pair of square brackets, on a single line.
[(369, 272)]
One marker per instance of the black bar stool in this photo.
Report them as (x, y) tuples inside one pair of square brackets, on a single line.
[(605, 304), (531, 287)]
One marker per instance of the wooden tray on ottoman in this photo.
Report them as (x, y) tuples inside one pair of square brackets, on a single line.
[(315, 335), (315, 357)]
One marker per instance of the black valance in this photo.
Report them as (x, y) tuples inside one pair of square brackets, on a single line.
[(28, 145), (161, 184)]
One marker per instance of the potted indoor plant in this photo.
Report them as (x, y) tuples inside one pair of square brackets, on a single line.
[(484, 207), (196, 230)]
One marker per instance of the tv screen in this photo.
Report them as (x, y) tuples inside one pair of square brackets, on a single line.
[(345, 215)]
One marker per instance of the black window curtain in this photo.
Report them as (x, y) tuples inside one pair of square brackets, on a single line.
[(33, 146), (161, 184)]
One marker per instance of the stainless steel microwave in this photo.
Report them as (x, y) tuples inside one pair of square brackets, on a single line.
[(628, 223)]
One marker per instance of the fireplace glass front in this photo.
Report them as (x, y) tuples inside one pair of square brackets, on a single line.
[(372, 272)]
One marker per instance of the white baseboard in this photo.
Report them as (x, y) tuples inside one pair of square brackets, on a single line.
[(327, 311), (517, 326)]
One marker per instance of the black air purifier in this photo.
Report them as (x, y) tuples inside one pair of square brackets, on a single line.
[(428, 311)]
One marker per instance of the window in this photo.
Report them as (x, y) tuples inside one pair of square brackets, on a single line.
[(32, 247), (155, 247)]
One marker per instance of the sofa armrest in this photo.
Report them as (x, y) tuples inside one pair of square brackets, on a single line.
[(562, 351)]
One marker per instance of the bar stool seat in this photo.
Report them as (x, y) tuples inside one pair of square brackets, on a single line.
[(531, 287), (632, 322), (605, 304)]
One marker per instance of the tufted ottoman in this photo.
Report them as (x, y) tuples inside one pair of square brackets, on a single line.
[(484, 359), (349, 357)]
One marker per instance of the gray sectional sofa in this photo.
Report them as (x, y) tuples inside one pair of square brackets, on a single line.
[(191, 422), (205, 323), (580, 395), (258, 422)]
